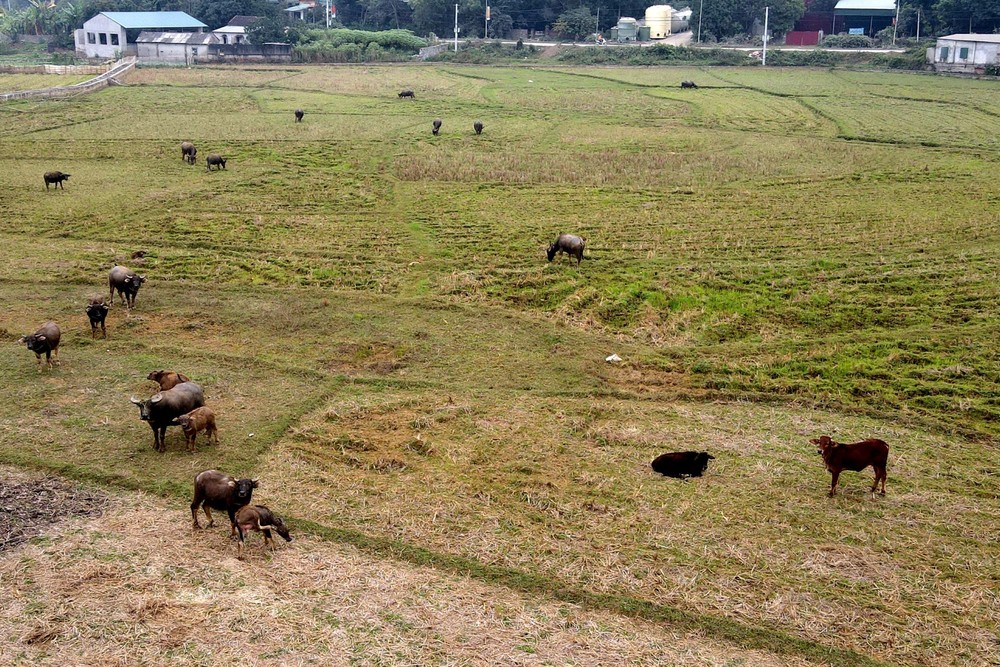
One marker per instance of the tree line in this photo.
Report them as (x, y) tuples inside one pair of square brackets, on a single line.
[(569, 19)]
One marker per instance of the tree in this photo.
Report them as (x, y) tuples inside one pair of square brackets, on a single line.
[(728, 18), (438, 16), (968, 15), (575, 23), (271, 29)]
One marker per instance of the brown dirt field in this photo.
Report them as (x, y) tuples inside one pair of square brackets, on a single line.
[(138, 586)]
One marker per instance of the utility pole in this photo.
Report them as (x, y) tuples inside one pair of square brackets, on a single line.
[(486, 22), (456, 28), (701, 10), (918, 24), (597, 25), (327, 14), (763, 58)]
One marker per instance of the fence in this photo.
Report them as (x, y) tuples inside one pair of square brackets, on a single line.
[(98, 82)]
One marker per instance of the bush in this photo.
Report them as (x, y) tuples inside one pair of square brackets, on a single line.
[(341, 45), (845, 41), (913, 59)]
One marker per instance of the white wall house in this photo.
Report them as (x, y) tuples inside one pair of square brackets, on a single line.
[(174, 47), (104, 35), (235, 32), (965, 53)]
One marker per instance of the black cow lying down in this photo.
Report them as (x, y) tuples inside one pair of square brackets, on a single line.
[(681, 464)]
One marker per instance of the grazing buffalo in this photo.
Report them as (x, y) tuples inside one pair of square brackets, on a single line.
[(407, 93), (299, 113), (56, 178), (126, 283), (260, 518), (688, 84), (478, 126), (214, 490), (436, 126), (44, 341), (855, 456), (188, 152), (571, 244), (200, 419), (97, 312), (167, 379), (681, 464), (163, 408), (215, 160)]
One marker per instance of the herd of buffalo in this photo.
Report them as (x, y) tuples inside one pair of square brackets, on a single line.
[(181, 402)]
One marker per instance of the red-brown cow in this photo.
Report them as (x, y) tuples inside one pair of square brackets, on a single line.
[(855, 456)]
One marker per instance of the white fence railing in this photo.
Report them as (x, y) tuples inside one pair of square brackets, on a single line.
[(98, 82)]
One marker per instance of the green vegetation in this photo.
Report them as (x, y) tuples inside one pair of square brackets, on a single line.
[(775, 255)]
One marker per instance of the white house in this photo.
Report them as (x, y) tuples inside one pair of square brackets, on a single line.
[(104, 35), (236, 31), (174, 47), (965, 53)]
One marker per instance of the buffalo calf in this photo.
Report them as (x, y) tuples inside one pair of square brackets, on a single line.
[(571, 244), (215, 160), (199, 419), (681, 464), (167, 379), (259, 518), (97, 312), (855, 456)]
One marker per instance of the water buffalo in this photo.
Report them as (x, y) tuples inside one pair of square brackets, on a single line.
[(56, 177), (167, 379), (688, 84), (407, 93), (215, 160), (127, 283), (97, 312), (44, 341), (199, 419), (163, 408), (260, 518), (478, 126), (436, 126), (571, 244), (299, 113), (214, 490), (188, 152), (681, 464)]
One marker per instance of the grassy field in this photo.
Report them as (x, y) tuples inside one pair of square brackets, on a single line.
[(12, 82), (775, 255)]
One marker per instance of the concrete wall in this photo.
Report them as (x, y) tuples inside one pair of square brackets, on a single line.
[(188, 54), (948, 55), (100, 38)]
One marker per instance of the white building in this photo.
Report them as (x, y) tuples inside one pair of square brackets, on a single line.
[(174, 47), (105, 36), (236, 31), (965, 53)]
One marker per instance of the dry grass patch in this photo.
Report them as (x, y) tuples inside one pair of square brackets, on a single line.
[(139, 587)]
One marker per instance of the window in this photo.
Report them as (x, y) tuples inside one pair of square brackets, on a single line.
[(963, 53), (944, 53), (91, 38), (104, 37), (114, 39)]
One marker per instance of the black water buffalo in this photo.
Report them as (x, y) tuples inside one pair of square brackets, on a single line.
[(97, 312), (44, 341), (571, 244), (215, 160), (127, 283), (214, 490), (188, 152), (681, 464), (478, 126), (299, 113), (163, 408), (407, 93), (260, 518), (688, 84), (55, 177), (436, 126)]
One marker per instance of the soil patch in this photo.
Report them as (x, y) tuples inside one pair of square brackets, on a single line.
[(29, 504)]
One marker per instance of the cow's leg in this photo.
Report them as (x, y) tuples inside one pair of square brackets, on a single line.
[(38, 359), (833, 484), (104, 331), (268, 540), (232, 524), (208, 513), (880, 473), (194, 511), (239, 528), (55, 354)]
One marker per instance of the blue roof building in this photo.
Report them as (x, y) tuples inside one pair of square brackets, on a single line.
[(104, 36)]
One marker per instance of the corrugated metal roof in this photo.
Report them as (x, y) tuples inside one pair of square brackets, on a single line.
[(868, 5), (231, 30), (299, 7), (242, 21), (192, 38), (972, 37), (144, 20)]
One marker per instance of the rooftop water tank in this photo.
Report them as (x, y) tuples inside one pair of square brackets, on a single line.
[(658, 20)]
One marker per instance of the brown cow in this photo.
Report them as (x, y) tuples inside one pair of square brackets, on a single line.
[(199, 419), (855, 456), (167, 379)]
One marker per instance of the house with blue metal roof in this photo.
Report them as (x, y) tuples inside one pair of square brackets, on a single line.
[(106, 34)]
